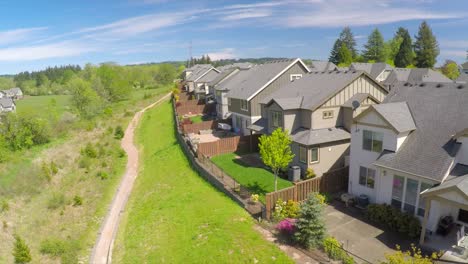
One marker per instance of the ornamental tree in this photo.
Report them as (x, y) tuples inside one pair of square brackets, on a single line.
[(310, 226), (275, 151)]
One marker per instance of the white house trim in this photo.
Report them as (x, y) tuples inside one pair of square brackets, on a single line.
[(278, 75), (212, 68), (410, 173)]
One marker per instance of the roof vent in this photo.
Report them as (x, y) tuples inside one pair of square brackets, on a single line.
[(439, 85), (329, 129), (406, 84), (422, 85), (345, 71), (461, 86), (354, 71)]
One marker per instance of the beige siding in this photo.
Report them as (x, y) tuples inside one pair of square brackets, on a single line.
[(331, 156), (274, 86), (306, 118), (319, 122)]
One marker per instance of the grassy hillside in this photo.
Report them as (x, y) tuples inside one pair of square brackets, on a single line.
[(174, 216), (56, 195)]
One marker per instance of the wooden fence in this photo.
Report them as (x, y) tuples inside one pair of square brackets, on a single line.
[(194, 109), (330, 182), (195, 128), (228, 145)]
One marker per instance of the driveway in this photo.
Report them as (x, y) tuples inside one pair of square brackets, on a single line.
[(358, 236)]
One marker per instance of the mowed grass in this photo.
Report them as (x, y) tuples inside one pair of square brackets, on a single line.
[(196, 119), (38, 104), (175, 216), (258, 180)]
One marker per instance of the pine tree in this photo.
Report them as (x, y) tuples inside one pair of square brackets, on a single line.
[(208, 59), (404, 57), (310, 226), (425, 47), (375, 48), (346, 37), (21, 251), (334, 52), (344, 56)]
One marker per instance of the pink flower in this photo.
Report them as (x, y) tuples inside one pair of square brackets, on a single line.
[(286, 226)]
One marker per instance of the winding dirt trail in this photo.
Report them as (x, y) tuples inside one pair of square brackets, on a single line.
[(102, 251)]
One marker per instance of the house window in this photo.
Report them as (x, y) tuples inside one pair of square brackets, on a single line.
[(411, 195), (463, 215), (314, 155), (293, 77), (276, 119), (244, 105), (302, 154), (372, 141), (366, 177), (397, 191), (327, 114), (422, 202)]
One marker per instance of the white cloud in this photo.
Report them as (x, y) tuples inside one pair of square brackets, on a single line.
[(247, 14), (460, 53), (454, 44), (48, 51), (228, 53), (17, 35)]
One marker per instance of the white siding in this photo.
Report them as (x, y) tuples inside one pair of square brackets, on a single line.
[(462, 156), (373, 118), (401, 138)]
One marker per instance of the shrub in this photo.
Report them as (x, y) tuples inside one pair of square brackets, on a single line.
[(21, 251), (4, 206), (394, 219), (413, 256), (107, 111), (21, 131), (119, 133), (102, 175), (333, 248), (84, 163), (254, 198), (46, 171), (77, 200), (53, 168), (310, 227), (53, 247), (286, 226), (56, 200), (176, 97), (289, 209), (121, 153), (310, 173), (89, 151)]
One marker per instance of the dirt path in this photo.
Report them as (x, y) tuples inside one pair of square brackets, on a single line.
[(102, 251)]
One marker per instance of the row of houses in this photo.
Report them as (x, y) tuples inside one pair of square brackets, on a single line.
[(402, 132), (7, 99)]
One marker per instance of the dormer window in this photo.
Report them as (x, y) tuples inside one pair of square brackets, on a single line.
[(276, 119), (372, 141), (293, 77)]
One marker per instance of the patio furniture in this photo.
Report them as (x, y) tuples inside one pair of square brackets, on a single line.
[(445, 225), (348, 199)]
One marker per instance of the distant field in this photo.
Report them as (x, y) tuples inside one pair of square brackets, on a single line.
[(40, 103), (175, 216)]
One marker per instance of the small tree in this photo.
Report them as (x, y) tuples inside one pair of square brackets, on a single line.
[(310, 227), (450, 69), (345, 57), (276, 152), (21, 251)]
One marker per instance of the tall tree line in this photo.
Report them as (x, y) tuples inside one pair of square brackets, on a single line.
[(399, 51), (204, 59)]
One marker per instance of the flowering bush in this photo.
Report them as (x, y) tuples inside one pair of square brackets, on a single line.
[(254, 197), (283, 209), (286, 226)]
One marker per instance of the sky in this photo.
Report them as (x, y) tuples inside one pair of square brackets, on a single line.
[(35, 34)]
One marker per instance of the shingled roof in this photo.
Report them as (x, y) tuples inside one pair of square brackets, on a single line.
[(414, 76), (397, 114), (320, 66), (439, 112), (373, 69), (199, 70)]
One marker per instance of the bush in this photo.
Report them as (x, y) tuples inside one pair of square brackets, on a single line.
[(89, 151), (53, 168), (102, 175), (289, 209), (20, 131), (286, 226), (21, 251), (394, 219), (4, 206), (310, 227), (56, 200), (77, 200), (413, 256), (119, 133), (334, 250), (52, 247), (84, 163), (121, 153), (310, 173)]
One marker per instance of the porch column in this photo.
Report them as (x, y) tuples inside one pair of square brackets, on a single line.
[(427, 207), (250, 140)]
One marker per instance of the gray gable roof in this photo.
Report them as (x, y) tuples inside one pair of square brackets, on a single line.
[(199, 70), (397, 114), (310, 137), (321, 66), (208, 77), (464, 66), (373, 69), (359, 97), (313, 89), (458, 179), (6, 102), (463, 77), (439, 112), (416, 75)]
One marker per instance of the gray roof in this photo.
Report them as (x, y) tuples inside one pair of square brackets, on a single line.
[(463, 77), (439, 112), (397, 114), (373, 69), (208, 77), (465, 65), (259, 125), (312, 90), (458, 179), (248, 82), (6, 102), (319, 136), (359, 97), (222, 75), (198, 71), (416, 75), (321, 66)]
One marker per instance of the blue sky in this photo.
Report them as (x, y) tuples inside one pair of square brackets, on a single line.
[(36, 34)]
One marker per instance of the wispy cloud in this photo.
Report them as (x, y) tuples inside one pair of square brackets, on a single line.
[(228, 53), (48, 51), (18, 35)]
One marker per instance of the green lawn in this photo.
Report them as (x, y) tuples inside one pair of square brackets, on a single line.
[(174, 216), (257, 180), (40, 103)]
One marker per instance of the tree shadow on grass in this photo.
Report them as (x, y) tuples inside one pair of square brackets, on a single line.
[(256, 188)]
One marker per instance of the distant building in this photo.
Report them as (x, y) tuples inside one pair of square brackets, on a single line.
[(379, 71), (13, 93), (7, 105)]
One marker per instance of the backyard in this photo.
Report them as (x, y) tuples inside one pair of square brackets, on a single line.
[(168, 218), (256, 179)]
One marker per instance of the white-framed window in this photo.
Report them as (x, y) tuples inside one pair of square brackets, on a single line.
[(229, 101), (293, 77), (276, 119), (327, 114), (406, 195), (372, 141), (244, 105), (366, 177), (422, 202), (314, 155), (302, 154)]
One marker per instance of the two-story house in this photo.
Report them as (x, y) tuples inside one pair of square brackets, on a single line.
[(414, 76), (414, 143), (7, 105), (317, 111), (379, 71), (198, 77), (247, 88)]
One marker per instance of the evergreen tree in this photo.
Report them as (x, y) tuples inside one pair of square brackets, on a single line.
[(404, 57), (310, 227), (208, 59), (426, 47), (21, 251), (344, 56), (346, 37), (334, 52), (375, 48), (203, 59)]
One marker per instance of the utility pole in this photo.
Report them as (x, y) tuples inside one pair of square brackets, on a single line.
[(190, 53)]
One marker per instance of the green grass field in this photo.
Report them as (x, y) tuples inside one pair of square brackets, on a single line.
[(257, 180), (174, 216), (40, 103)]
